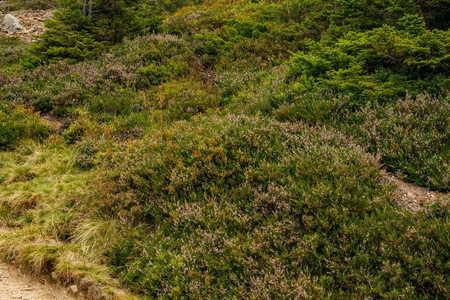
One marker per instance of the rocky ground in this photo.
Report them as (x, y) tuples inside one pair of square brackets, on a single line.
[(31, 20)]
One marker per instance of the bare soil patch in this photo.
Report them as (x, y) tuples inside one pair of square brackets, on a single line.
[(411, 195), (16, 285), (32, 20)]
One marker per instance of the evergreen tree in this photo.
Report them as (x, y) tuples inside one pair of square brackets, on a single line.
[(436, 13), (82, 29)]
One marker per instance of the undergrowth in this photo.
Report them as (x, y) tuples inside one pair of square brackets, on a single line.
[(245, 207), (233, 152)]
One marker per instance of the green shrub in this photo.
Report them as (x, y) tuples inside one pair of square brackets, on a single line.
[(412, 137), (12, 51), (122, 104), (106, 85), (209, 195), (78, 32), (380, 64), (239, 207), (435, 13), (181, 100), (317, 17), (18, 123)]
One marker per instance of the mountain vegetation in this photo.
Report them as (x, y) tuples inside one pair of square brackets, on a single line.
[(228, 149)]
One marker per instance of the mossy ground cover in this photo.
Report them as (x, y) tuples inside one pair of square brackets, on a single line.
[(234, 153)]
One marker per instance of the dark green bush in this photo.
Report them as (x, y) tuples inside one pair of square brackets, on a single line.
[(380, 64), (435, 13), (78, 32), (317, 16)]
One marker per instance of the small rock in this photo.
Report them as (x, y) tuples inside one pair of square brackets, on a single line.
[(54, 275), (193, 16), (73, 289), (11, 24)]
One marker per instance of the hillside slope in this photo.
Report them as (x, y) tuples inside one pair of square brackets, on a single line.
[(230, 149)]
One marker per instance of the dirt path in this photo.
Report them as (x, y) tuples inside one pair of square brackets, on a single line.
[(15, 285), (411, 195)]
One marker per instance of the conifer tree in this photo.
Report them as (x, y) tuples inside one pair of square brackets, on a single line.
[(82, 29)]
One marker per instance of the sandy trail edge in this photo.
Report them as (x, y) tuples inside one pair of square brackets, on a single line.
[(410, 195), (16, 285)]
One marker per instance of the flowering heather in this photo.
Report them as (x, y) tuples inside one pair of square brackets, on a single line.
[(237, 152), (245, 207), (62, 87), (412, 138)]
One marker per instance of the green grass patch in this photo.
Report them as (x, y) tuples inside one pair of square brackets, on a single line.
[(40, 215), (18, 123)]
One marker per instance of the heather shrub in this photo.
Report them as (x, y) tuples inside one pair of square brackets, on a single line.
[(412, 137), (106, 85), (85, 127), (244, 207), (231, 83), (18, 123), (123, 103), (184, 99), (240, 34), (156, 49), (11, 53), (238, 157), (271, 94)]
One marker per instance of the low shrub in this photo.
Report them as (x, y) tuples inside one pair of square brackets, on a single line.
[(18, 123), (245, 207), (108, 85), (412, 137), (12, 51), (183, 99)]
